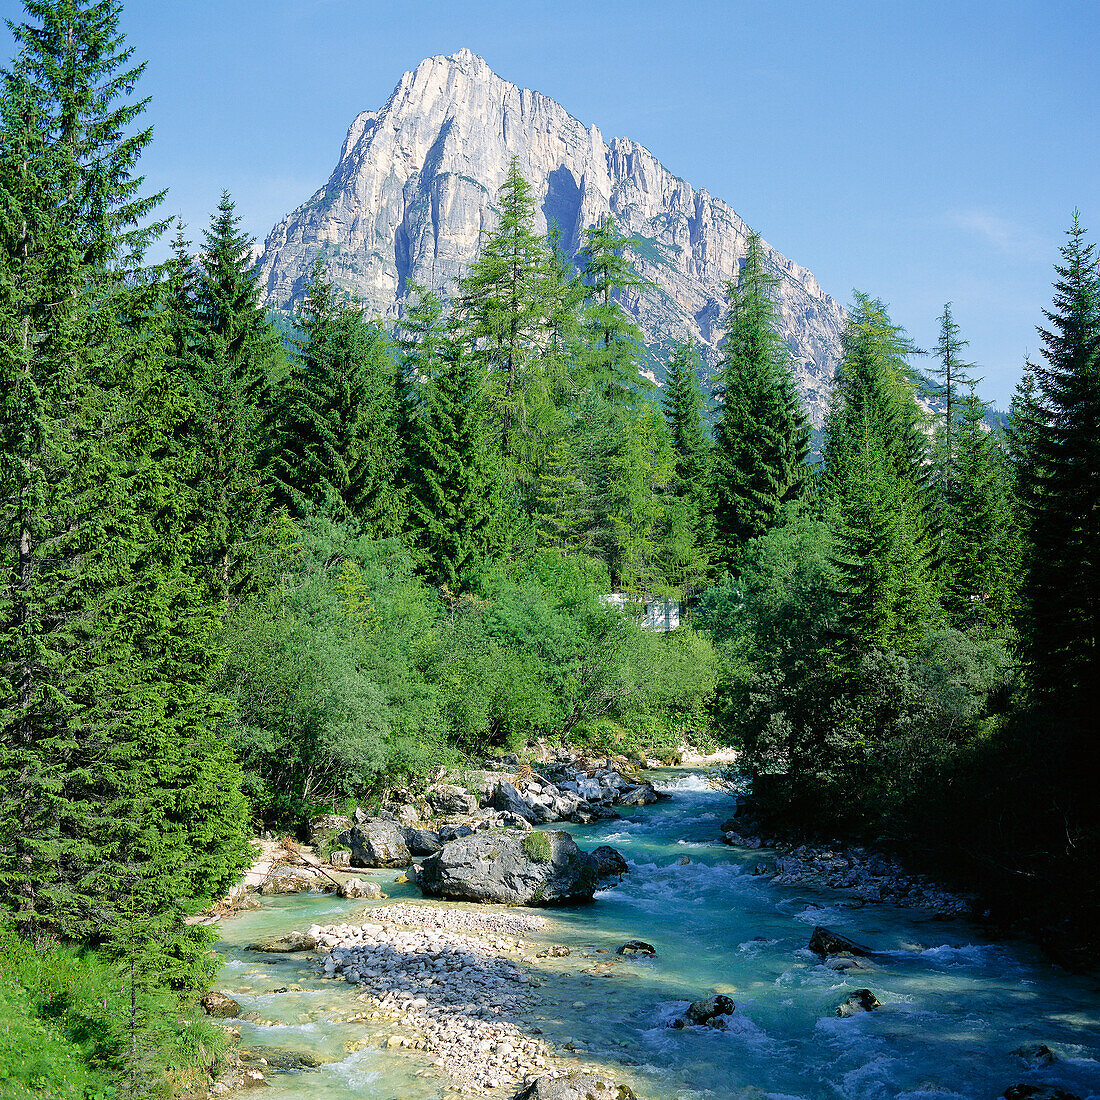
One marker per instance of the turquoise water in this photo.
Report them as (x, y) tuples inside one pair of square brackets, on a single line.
[(954, 1003)]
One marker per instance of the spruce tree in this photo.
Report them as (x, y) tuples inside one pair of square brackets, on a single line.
[(682, 402), (1059, 471), (761, 436), (106, 727), (500, 317), (874, 489), (455, 481), (333, 441), (237, 352), (614, 347)]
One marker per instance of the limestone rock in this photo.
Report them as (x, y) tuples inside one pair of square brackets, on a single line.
[(220, 1004), (859, 1000), (824, 942), (327, 825), (377, 842), (289, 880), (511, 867), (637, 947), (291, 941), (610, 861), (575, 1086), (445, 798), (422, 842), (414, 191), (357, 888)]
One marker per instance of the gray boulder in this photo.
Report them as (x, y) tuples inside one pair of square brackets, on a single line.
[(824, 942), (289, 880), (292, 941), (641, 795), (575, 1086), (220, 1005), (610, 861), (445, 798), (859, 1000), (637, 947), (708, 1012), (505, 797), (357, 888), (422, 842), (511, 868), (377, 843)]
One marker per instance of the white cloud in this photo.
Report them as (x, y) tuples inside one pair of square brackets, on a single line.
[(1006, 236)]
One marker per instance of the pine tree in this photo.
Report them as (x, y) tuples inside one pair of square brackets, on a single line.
[(975, 582), (762, 437), (1058, 460), (333, 442), (874, 492), (106, 727), (500, 316), (614, 347), (682, 403), (236, 353), (455, 490)]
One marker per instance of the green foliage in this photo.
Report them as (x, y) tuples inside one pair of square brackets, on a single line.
[(536, 847), (761, 436), (332, 442)]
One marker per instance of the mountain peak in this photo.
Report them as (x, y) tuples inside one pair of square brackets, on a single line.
[(415, 189)]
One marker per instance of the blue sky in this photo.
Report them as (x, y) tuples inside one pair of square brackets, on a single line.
[(923, 152)]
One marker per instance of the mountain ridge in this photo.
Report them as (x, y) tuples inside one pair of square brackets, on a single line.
[(414, 191)]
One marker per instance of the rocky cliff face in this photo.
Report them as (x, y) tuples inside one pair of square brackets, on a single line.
[(414, 191)]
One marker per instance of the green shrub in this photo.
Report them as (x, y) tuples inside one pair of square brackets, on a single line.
[(536, 846)]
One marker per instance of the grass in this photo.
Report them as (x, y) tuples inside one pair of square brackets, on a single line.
[(536, 846)]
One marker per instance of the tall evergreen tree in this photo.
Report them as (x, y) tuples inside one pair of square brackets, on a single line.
[(762, 437), (333, 443), (682, 402), (237, 352), (455, 489), (614, 346), (106, 728), (1059, 467), (500, 316), (874, 488)]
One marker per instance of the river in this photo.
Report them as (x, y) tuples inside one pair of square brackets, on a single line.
[(954, 1004)]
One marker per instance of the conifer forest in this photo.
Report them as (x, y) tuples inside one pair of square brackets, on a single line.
[(259, 567)]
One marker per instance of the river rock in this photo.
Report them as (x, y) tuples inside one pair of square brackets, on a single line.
[(422, 842), (859, 1000), (703, 1012), (575, 1086), (357, 888), (291, 941), (512, 868), (505, 797), (1038, 1054), (445, 798), (327, 825), (637, 947), (288, 880), (1038, 1092), (377, 843), (220, 1004), (640, 795), (610, 861), (823, 942), (341, 857)]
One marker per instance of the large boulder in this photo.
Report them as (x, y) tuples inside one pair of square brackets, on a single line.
[(610, 861), (575, 1086), (357, 888), (640, 795), (512, 868), (859, 1000), (422, 842), (823, 942), (289, 880), (377, 842), (327, 826), (445, 798), (505, 797), (290, 942), (220, 1004), (709, 1012)]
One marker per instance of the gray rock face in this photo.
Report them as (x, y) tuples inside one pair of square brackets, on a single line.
[(576, 1086), (824, 942), (610, 861), (220, 1004), (445, 798), (512, 868), (415, 187), (377, 843)]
